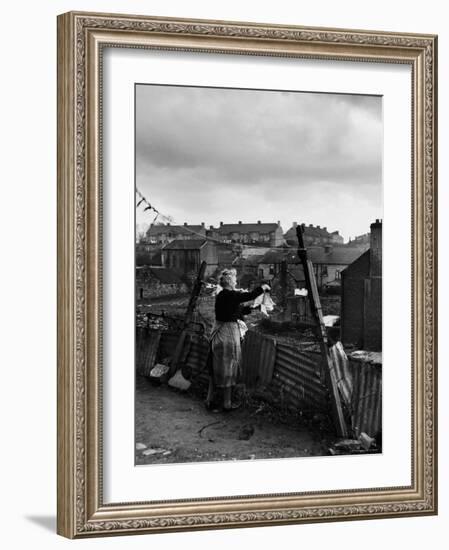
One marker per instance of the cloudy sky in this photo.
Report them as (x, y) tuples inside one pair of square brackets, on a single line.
[(211, 155)]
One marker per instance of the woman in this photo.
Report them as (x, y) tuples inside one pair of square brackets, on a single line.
[(225, 338)]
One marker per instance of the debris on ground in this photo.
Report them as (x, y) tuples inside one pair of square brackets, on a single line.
[(159, 373), (156, 451), (246, 432), (201, 430), (363, 444), (366, 441), (140, 446), (347, 445), (179, 382)]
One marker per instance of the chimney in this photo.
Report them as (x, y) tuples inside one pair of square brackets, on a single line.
[(279, 222), (318, 227), (202, 224), (240, 223), (310, 224), (211, 227), (295, 224), (258, 221), (376, 249), (185, 224), (324, 228), (221, 224), (168, 224)]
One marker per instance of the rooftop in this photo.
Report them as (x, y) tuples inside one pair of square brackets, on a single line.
[(181, 244), (258, 227), (310, 231), (338, 255)]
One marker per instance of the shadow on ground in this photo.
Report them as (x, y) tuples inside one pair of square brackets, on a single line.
[(46, 522)]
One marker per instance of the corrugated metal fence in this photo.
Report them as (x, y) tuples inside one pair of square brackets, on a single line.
[(293, 374), (258, 359), (360, 384), (147, 345), (296, 377), (366, 410)]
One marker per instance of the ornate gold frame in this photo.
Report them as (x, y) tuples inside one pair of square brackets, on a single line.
[(81, 37)]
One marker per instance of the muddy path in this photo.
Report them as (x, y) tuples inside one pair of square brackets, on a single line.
[(174, 427)]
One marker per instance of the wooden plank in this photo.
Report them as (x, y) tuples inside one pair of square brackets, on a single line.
[(188, 318), (315, 304)]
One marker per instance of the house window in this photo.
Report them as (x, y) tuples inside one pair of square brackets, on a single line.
[(337, 274)]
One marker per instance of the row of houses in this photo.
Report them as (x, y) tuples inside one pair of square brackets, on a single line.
[(357, 273), (184, 256), (268, 234)]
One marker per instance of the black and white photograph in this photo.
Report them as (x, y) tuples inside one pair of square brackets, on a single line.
[(258, 274)]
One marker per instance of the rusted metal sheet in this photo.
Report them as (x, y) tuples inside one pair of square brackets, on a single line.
[(297, 377), (258, 358), (147, 345), (343, 373), (168, 343), (196, 359), (366, 413), (162, 344)]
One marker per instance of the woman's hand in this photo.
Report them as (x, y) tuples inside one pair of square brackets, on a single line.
[(265, 287)]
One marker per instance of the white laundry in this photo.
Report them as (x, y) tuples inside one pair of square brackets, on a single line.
[(243, 328), (265, 302), (330, 320), (301, 292)]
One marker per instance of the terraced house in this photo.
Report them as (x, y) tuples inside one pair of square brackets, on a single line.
[(164, 233), (270, 234), (313, 235)]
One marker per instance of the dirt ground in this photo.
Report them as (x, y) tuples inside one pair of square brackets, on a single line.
[(174, 427)]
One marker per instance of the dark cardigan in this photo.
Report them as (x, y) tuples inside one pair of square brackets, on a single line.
[(227, 303)]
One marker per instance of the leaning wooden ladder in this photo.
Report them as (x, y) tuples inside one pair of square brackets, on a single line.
[(315, 305), (188, 318)]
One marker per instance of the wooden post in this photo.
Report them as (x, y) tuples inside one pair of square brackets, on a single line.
[(283, 283), (315, 305), (188, 317), (195, 293)]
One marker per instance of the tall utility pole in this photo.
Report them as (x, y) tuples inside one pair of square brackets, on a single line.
[(315, 306)]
